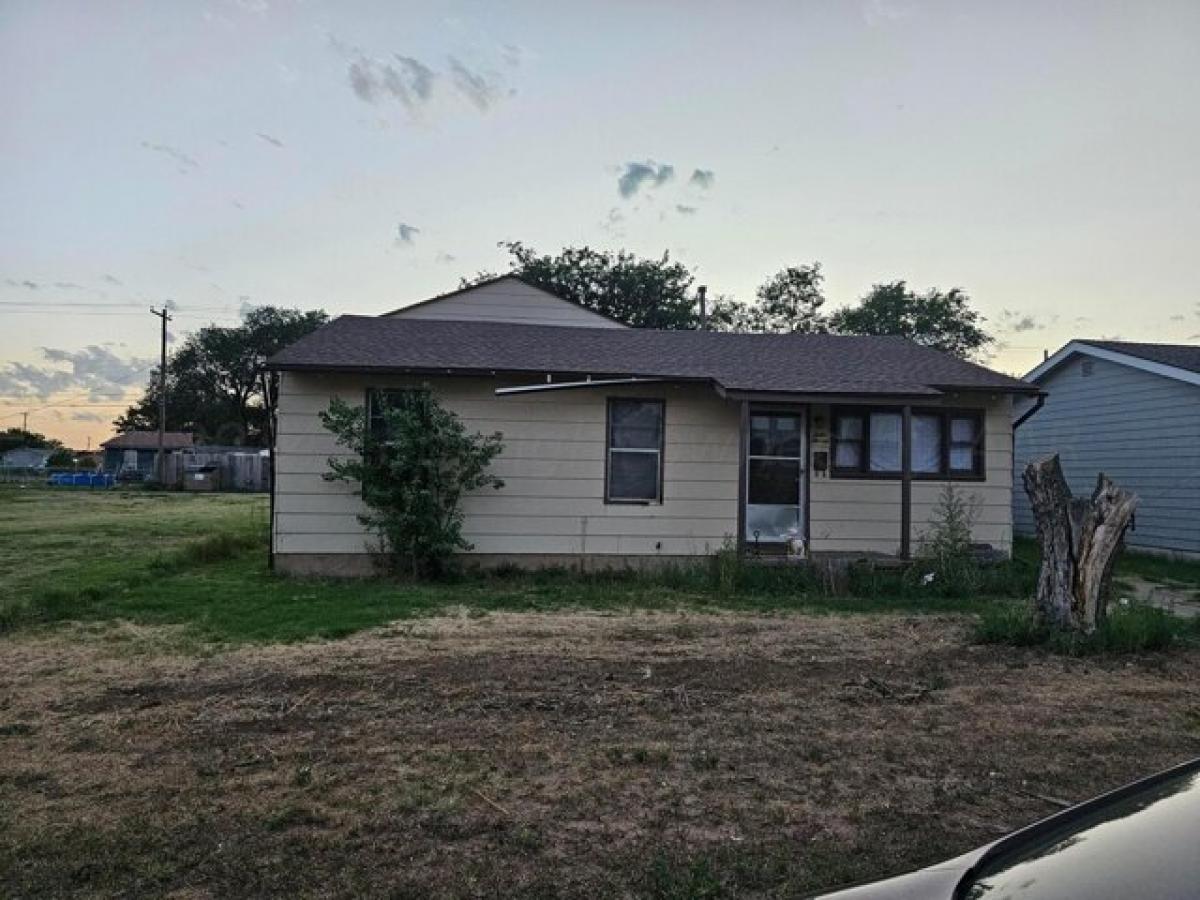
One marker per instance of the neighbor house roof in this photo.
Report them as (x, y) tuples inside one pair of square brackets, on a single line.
[(1178, 361), (148, 440), (806, 364)]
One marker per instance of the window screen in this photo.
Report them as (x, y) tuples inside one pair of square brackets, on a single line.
[(965, 444), (884, 454), (926, 443), (378, 401), (635, 442), (848, 442)]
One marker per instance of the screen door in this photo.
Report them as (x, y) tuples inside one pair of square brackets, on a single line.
[(774, 477)]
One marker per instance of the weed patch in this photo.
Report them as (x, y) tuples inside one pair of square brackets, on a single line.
[(1126, 630)]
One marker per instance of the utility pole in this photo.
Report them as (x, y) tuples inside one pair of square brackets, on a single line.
[(160, 460), (25, 422)]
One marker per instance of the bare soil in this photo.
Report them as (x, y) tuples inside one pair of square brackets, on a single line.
[(554, 755)]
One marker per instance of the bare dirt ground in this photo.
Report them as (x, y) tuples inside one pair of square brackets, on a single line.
[(554, 755)]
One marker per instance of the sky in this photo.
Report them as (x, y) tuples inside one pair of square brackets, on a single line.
[(356, 156)]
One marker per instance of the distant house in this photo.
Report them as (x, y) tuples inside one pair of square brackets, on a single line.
[(25, 458), (627, 446), (136, 450), (1131, 411)]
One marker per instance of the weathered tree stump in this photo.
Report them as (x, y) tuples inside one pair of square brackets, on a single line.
[(1079, 538)]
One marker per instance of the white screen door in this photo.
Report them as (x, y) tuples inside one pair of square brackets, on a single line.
[(775, 477)]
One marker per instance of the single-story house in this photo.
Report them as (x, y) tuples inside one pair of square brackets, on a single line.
[(627, 446), (137, 450), (1131, 411), (25, 458)]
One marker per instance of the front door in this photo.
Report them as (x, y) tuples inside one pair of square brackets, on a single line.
[(775, 477)]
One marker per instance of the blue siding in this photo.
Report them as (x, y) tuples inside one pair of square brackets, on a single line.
[(1141, 429)]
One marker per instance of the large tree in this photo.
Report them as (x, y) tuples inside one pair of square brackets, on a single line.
[(789, 302), (215, 378), (942, 320), (644, 293)]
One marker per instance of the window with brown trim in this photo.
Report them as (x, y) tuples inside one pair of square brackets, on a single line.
[(634, 450), (945, 443)]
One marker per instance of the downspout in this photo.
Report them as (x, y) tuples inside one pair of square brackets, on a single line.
[(906, 483), (1038, 404)]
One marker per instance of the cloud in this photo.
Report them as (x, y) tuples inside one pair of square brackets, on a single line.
[(878, 13), (406, 232), (87, 417), (1018, 322), (420, 76), (637, 174), (184, 161), (94, 369), (475, 86), (411, 83), (703, 178), (269, 139), (512, 55), (31, 285), (685, 210), (444, 257), (112, 279), (68, 286), (1178, 318)]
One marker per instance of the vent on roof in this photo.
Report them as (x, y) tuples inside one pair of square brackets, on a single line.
[(1086, 368)]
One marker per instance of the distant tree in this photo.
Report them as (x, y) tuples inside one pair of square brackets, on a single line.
[(12, 438), (942, 320), (61, 457), (644, 293), (214, 379), (789, 301)]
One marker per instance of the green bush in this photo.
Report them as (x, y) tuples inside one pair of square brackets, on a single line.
[(1126, 629), (413, 460)]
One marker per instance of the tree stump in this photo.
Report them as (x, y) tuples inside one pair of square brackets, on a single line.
[(1079, 539)]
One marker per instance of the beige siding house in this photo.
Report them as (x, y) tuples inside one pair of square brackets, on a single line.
[(630, 447)]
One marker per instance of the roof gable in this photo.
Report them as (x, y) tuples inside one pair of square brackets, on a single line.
[(507, 298), (1178, 361)]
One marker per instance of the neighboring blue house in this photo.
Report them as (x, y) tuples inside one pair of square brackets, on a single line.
[(1131, 411)]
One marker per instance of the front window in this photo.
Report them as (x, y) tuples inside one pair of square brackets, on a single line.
[(868, 443), (635, 447)]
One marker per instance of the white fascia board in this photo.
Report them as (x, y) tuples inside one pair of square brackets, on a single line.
[(1124, 359)]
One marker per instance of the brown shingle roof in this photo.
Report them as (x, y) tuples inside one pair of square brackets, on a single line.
[(148, 440), (1181, 356), (808, 364)]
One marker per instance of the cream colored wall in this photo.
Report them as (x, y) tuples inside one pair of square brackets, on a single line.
[(851, 514), (509, 300), (552, 465), (553, 468)]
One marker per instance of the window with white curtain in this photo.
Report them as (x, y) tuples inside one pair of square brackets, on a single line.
[(884, 451), (945, 443)]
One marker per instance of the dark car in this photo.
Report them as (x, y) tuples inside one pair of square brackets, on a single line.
[(1140, 841)]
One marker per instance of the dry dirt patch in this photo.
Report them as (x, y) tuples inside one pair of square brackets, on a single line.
[(556, 755)]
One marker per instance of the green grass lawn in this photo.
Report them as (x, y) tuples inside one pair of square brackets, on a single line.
[(199, 561)]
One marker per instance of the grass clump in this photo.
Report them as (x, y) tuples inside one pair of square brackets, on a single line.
[(1126, 630)]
